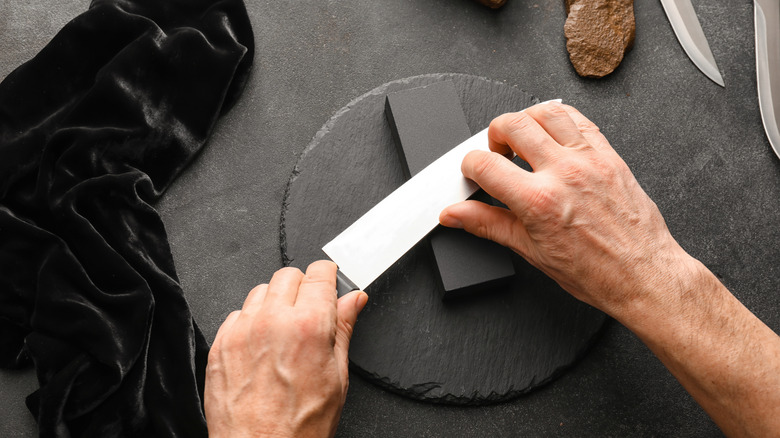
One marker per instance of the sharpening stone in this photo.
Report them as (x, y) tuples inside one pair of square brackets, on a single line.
[(426, 122)]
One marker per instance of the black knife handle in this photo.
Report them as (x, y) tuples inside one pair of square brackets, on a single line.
[(343, 284)]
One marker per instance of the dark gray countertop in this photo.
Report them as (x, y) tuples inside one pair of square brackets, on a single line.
[(699, 151)]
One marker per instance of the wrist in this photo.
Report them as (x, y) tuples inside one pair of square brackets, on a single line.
[(669, 297), (660, 287)]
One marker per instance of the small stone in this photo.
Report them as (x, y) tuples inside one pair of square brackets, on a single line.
[(598, 34)]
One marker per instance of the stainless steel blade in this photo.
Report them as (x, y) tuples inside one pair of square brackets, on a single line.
[(686, 26), (393, 226), (767, 19), (380, 237)]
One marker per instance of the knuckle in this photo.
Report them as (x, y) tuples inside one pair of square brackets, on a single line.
[(310, 324), (228, 344), (519, 122), (541, 202), (484, 231), (319, 282), (213, 368), (572, 171), (543, 113), (214, 353), (500, 121), (485, 164), (587, 126), (609, 171), (346, 328), (215, 363), (552, 110)]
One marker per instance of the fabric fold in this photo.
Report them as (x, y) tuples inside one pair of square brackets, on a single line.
[(92, 131)]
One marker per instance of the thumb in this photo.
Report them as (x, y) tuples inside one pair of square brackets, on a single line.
[(348, 308), (486, 221)]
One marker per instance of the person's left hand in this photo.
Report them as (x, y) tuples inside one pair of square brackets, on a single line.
[(278, 367)]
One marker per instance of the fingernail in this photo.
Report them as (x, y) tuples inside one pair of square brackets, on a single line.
[(449, 221), (361, 301)]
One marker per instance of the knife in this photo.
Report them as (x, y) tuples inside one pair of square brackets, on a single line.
[(381, 236), (686, 26), (767, 20)]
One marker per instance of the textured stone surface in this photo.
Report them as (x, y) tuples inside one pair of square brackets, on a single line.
[(598, 34), (482, 348), (426, 122), (568, 4)]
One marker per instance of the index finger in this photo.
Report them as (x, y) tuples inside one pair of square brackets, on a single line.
[(589, 130), (499, 177), (557, 122), (521, 133)]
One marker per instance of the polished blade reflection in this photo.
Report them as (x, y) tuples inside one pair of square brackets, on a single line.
[(767, 20), (686, 26)]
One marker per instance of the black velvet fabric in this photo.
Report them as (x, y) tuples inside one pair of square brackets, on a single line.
[(92, 132)]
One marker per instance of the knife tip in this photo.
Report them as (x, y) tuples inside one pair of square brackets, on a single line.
[(714, 74)]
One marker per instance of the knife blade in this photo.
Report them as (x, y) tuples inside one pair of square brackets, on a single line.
[(688, 30), (375, 241), (369, 246), (767, 22)]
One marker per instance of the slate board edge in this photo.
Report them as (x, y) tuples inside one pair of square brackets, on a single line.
[(418, 392)]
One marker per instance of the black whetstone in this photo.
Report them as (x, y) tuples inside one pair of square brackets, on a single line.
[(426, 122), (475, 350)]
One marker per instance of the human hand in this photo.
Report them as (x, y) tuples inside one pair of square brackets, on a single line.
[(580, 216), (278, 367)]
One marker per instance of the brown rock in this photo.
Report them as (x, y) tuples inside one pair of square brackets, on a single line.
[(598, 34), (495, 4)]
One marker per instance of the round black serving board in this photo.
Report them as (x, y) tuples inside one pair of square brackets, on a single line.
[(478, 349)]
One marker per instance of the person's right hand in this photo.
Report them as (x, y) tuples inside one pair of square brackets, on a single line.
[(580, 216)]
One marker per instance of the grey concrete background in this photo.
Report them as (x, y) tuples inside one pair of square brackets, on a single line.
[(699, 151)]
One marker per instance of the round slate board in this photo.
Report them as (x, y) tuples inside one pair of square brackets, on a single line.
[(473, 350)]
